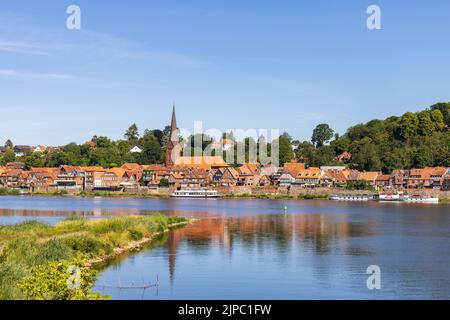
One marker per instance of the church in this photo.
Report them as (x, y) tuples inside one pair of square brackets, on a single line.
[(174, 158)]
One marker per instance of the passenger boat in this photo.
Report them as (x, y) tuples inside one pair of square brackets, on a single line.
[(195, 193), (421, 199), (398, 196), (351, 197)]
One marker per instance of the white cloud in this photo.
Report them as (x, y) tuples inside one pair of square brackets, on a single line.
[(9, 73), (22, 47)]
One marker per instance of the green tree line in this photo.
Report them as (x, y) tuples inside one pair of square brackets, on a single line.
[(413, 140)]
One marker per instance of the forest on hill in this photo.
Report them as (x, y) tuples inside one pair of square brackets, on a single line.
[(413, 140)]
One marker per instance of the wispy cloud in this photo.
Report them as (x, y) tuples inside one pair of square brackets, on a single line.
[(22, 47), (33, 76)]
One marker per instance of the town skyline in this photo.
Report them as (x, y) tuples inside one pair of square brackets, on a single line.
[(315, 61)]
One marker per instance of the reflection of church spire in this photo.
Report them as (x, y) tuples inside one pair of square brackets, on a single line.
[(172, 250), (172, 144)]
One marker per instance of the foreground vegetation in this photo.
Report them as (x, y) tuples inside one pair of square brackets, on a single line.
[(43, 262)]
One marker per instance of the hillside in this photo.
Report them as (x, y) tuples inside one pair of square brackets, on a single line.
[(413, 140)]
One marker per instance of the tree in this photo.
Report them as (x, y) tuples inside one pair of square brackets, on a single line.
[(306, 152), (409, 124), (438, 120), (151, 150), (423, 157), (9, 156), (35, 160), (322, 134), (444, 108), (200, 141), (132, 134), (426, 125), (365, 154), (286, 154)]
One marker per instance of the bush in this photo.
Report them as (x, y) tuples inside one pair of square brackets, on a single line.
[(87, 245), (135, 235), (62, 280)]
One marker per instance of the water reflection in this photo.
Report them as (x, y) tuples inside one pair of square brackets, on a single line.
[(252, 250)]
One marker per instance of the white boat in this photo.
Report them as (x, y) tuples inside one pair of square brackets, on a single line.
[(351, 197), (390, 197), (195, 193), (420, 199)]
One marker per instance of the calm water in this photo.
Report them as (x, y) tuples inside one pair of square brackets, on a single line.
[(254, 249)]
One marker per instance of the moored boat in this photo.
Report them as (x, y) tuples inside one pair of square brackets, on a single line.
[(338, 197), (421, 199), (398, 196), (195, 193)]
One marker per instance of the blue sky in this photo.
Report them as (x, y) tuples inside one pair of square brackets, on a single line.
[(232, 64)]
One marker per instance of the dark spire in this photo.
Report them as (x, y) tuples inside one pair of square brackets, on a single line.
[(172, 148), (173, 124)]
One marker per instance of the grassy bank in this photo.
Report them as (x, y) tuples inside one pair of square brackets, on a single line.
[(62, 193), (39, 261), (9, 192)]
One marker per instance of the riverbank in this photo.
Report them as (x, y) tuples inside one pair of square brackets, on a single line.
[(37, 260), (310, 194)]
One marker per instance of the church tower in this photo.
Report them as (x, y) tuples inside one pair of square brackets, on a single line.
[(173, 148)]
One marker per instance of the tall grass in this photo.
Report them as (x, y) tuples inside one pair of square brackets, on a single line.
[(33, 244)]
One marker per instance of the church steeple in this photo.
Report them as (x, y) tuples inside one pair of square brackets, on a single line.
[(173, 124), (172, 149)]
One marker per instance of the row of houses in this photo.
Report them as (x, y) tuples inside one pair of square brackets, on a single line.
[(192, 172), (296, 175)]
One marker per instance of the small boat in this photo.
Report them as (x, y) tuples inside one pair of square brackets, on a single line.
[(351, 197), (195, 193)]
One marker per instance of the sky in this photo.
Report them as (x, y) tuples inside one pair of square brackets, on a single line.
[(286, 65)]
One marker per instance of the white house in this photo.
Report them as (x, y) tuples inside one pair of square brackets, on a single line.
[(40, 149), (136, 149)]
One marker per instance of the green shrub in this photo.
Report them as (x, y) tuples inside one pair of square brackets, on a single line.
[(87, 245), (62, 280), (135, 235)]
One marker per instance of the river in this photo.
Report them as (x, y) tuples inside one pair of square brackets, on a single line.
[(269, 249)]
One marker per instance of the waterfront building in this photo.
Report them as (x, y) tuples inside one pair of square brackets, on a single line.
[(398, 179), (308, 178), (369, 177), (286, 180), (293, 168), (332, 177), (201, 162), (382, 181), (429, 177)]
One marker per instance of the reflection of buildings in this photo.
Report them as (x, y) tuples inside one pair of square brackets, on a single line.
[(318, 233)]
